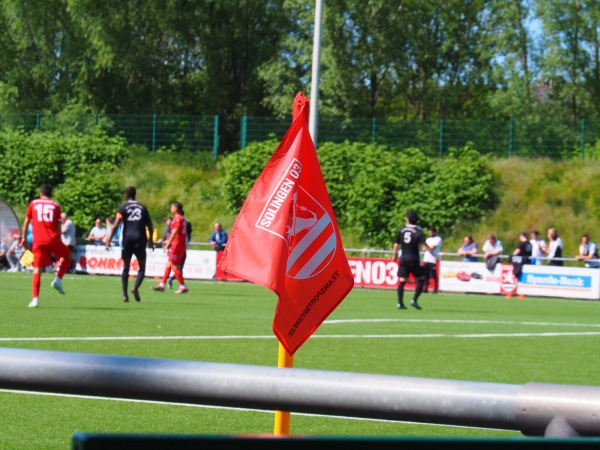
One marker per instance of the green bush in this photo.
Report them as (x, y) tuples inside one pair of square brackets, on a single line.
[(241, 169), (80, 167), (88, 195), (372, 186)]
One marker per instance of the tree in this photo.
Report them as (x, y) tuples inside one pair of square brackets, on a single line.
[(571, 56), (39, 56)]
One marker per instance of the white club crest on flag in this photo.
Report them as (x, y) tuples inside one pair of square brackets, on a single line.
[(295, 216)]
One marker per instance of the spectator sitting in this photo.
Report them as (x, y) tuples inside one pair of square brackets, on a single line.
[(97, 233), (218, 238), (4, 264), (468, 249), (492, 249), (588, 251), (522, 254), (15, 251), (523, 249)]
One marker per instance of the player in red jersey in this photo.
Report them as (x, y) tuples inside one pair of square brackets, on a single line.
[(44, 215), (176, 245)]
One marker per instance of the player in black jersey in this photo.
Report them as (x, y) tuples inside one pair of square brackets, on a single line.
[(137, 226), (410, 240)]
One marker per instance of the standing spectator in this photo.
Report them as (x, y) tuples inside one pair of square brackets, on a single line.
[(492, 249), (67, 235), (588, 251), (44, 215), (67, 231), (410, 240), (166, 233), (97, 233), (176, 246), (218, 238), (430, 259), (188, 230), (538, 247), (137, 226), (110, 224), (29, 237), (555, 248), (15, 251), (468, 249)]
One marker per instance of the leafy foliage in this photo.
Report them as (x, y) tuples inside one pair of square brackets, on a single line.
[(371, 187), (241, 169), (81, 168), (401, 59), (86, 196)]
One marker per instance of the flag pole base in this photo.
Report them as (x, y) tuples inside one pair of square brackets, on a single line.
[(282, 418)]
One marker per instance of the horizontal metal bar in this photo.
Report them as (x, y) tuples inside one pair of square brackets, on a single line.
[(531, 409)]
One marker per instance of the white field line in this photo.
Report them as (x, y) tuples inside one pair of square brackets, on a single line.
[(129, 400), (353, 336)]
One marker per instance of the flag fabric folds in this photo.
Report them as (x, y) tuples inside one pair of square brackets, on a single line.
[(286, 238)]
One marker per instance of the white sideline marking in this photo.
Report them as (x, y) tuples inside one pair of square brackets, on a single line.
[(314, 336), (130, 400), (501, 322), (352, 336)]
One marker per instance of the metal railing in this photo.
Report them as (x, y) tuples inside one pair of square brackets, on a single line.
[(369, 252), (534, 409)]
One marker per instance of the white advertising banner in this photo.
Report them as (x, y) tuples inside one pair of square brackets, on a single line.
[(555, 281), (538, 281), (474, 277), (95, 259)]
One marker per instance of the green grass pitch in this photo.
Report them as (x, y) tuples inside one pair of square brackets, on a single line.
[(460, 337)]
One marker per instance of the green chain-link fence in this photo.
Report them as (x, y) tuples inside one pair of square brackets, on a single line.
[(532, 138), (523, 137), (179, 132)]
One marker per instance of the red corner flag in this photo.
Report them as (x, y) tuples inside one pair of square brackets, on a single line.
[(286, 239)]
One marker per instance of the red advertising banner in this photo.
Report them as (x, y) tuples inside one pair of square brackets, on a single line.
[(379, 273), (508, 284)]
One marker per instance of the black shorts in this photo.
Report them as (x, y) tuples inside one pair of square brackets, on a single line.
[(139, 252), (417, 271)]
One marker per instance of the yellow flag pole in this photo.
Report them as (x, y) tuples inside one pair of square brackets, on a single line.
[(282, 418)]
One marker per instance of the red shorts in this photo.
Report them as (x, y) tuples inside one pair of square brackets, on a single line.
[(177, 259), (42, 254)]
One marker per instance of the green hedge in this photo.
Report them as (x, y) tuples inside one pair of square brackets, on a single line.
[(80, 167), (372, 186)]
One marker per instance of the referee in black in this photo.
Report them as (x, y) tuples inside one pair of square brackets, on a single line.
[(135, 237)]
